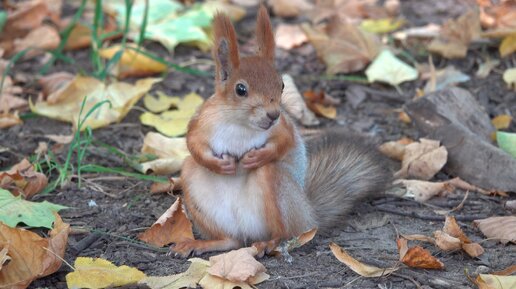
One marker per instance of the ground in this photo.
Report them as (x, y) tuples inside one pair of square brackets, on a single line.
[(124, 207)]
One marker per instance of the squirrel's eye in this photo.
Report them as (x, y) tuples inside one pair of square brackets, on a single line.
[(282, 86), (241, 90)]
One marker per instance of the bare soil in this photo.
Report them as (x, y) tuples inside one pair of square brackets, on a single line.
[(124, 207)]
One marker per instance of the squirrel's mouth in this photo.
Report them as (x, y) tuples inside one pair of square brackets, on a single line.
[(266, 125)]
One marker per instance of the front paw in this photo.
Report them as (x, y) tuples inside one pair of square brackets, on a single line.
[(226, 165), (185, 248), (256, 158)]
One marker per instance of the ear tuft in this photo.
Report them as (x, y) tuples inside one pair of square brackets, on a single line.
[(264, 35), (225, 48)]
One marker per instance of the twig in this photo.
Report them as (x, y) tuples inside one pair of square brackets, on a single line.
[(86, 242), (462, 218), (418, 285)]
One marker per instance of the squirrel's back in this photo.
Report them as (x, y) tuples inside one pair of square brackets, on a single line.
[(343, 169)]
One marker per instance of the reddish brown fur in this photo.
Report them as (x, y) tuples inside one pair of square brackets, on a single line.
[(272, 211), (263, 34)]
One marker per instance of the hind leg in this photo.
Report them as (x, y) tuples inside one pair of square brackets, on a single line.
[(198, 247)]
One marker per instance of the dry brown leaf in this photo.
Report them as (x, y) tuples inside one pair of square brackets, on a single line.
[(354, 10), (456, 35), (452, 228), (395, 149), (507, 271), (501, 121), (37, 44), (446, 242), (500, 16), (32, 256), (321, 103), (22, 179), (80, 37), (289, 36), (172, 227), (26, 17), (359, 267), (501, 228), (4, 258), (52, 84), (402, 245), (423, 159), (342, 46), (490, 281), (294, 103), (60, 139), (294, 243), (473, 249), (289, 8), (9, 119), (423, 190), (236, 265), (171, 153), (173, 184), (417, 257)]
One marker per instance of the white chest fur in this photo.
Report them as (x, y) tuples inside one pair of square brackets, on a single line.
[(236, 140)]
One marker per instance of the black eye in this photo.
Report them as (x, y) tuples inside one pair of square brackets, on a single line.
[(282, 86), (241, 89)]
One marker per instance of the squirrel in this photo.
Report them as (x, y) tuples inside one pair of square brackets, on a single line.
[(251, 178)]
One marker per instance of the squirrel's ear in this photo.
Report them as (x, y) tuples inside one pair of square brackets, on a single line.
[(264, 34), (225, 48)]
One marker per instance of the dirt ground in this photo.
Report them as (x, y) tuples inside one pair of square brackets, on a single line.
[(108, 212)]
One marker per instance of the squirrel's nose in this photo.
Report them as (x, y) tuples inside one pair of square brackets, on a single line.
[(273, 115)]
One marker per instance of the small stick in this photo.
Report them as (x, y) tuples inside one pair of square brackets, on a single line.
[(429, 218)]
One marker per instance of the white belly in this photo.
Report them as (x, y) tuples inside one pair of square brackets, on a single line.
[(233, 203), (236, 140)]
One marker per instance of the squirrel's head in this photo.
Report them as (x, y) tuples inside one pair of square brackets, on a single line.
[(250, 85)]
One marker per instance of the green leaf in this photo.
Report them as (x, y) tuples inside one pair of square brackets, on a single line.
[(15, 210), (3, 19), (389, 69), (507, 142)]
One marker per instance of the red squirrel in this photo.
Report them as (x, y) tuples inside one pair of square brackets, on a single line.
[(251, 178)]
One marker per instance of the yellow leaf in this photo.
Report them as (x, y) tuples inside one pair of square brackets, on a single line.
[(380, 26), (67, 103), (358, 267), (188, 279), (497, 282), (508, 45), (509, 76), (160, 104), (99, 273), (174, 122), (502, 121), (132, 62)]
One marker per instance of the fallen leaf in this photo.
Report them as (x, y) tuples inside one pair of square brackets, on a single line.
[(188, 279), (68, 101), (358, 267), (501, 121), (395, 149), (509, 76), (289, 36), (294, 103), (60, 139), (247, 3), (430, 30), (422, 159), (4, 258), (342, 46), (99, 273), (23, 180), (80, 36), (295, 242), (321, 103), (489, 281), (417, 257), (423, 190), (507, 271), (508, 45), (444, 78), (54, 84), (354, 11), (507, 142), (174, 122), (171, 153), (31, 256), (289, 8), (498, 15), (162, 103), (172, 227), (446, 242), (15, 210), (170, 24), (236, 265), (485, 68), (37, 44), (456, 35), (8, 120), (389, 69), (133, 63), (380, 26), (500, 228), (173, 184)]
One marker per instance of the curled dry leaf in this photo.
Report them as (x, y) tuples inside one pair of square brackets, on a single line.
[(500, 228), (321, 103), (343, 46), (68, 101), (173, 226), (498, 15), (359, 267), (354, 10), (54, 83), (36, 44), (295, 242), (22, 179), (100, 273), (422, 159), (32, 256), (173, 184), (80, 36), (289, 8), (393, 149), (171, 153), (236, 265), (133, 63), (423, 190), (446, 242), (295, 104), (491, 281), (417, 257), (502, 121), (188, 279), (456, 35), (485, 68), (289, 36)]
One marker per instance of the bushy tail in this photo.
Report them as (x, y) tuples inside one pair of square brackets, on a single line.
[(343, 169)]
